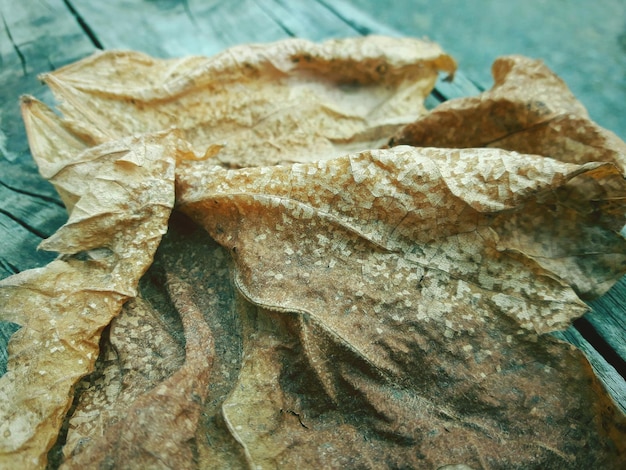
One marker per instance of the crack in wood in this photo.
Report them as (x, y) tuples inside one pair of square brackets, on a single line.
[(587, 331), (276, 18), (43, 197), (23, 224), (15, 46), (10, 268), (83, 25), (7, 329)]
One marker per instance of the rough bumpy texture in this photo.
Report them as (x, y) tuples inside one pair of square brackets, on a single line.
[(529, 110), (124, 192), (313, 307), (292, 100), (410, 324)]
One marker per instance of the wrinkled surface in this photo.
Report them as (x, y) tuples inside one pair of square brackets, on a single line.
[(415, 325), (382, 308), (529, 109), (124, 193), (259, 104), (150, 424)]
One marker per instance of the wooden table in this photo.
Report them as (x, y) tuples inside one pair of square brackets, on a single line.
[(41, 36)]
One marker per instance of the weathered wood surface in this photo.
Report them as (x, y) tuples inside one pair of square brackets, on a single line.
[(584, 42), (37, 37)]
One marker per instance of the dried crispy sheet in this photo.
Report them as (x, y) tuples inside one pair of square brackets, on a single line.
[(388, 307), (529, 109), (126, 369), (150, 355), (124, 193), (154, 429), (265, 104), (399, 320)]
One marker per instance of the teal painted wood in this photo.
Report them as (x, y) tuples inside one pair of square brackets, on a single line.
[(34, 38), (37, 37), (584, 42), (169, 29), (609, 317), (607, 374)]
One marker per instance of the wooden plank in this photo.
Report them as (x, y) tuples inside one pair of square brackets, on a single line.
[(311, 20), (357, 19), (18, 246), (40, 215), (34, 39), (25, 220), (609, 318), (171, 29), (612, 380)]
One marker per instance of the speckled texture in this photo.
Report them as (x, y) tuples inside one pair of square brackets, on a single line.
[(529, 110), (64, 306), (385, 276), (390, 307)]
